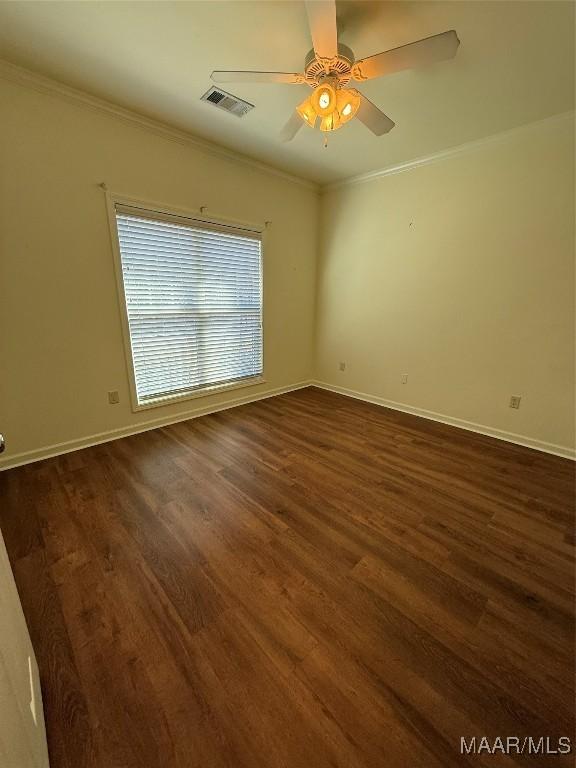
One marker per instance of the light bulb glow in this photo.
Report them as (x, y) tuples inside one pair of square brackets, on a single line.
[(324, 99), (347, 109)]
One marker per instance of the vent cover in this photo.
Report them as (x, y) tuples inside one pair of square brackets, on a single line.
[(227, 102)]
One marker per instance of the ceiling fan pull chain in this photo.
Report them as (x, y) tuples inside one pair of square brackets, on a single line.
[(325, 142)]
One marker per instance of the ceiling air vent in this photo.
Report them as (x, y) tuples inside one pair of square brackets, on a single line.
[(227, 102)]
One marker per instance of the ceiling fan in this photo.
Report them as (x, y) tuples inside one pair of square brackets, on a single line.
[(329, 67)]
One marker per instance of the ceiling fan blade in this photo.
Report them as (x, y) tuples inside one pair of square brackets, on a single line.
[(322, 22), (372, 117), (420, 53), (220, 76), (292, 127)]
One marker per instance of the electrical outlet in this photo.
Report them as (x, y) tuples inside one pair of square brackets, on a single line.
[(113, 397), (515, 401), (342, 366), (404, 378)]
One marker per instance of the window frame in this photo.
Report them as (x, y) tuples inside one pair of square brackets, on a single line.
[(186, 216)]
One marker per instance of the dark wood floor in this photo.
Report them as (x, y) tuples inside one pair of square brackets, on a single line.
[(303, 582)]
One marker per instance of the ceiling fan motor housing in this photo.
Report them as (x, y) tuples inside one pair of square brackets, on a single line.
[(339, 67)]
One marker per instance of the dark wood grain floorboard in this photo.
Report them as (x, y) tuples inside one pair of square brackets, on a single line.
[(304, 581)]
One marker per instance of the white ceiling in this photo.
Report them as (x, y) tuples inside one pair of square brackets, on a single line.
[(515, 65)]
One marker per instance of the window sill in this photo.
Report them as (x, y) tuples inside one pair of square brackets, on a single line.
[(197, 393)]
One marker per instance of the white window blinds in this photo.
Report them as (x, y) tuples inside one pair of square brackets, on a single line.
[(194, 302)]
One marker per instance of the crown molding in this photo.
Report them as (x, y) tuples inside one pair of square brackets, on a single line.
[(445, 154), (40, 83), (29, 79)]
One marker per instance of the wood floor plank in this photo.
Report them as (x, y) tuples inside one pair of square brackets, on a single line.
[(304, 580)]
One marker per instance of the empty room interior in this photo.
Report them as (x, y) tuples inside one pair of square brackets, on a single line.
[(287, 389)]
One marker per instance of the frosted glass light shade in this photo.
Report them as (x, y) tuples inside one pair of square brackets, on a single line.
[(307, 113), (347, 103), (324, 99), (330, 122)]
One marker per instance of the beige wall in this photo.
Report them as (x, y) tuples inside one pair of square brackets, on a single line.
[(61, 346), (460, 274)]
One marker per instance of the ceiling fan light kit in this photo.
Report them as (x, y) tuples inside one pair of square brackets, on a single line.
[(330, 66), (331, 103)]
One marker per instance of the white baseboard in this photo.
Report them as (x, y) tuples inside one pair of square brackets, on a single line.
[(481, 429), (27, 457)]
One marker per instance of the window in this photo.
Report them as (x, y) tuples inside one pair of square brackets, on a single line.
[(193, 294)]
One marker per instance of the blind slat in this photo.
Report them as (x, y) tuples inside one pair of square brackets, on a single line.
[(194, 304)]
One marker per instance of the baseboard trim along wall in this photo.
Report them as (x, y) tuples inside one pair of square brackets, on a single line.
[(48, 451), (481, 429)]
